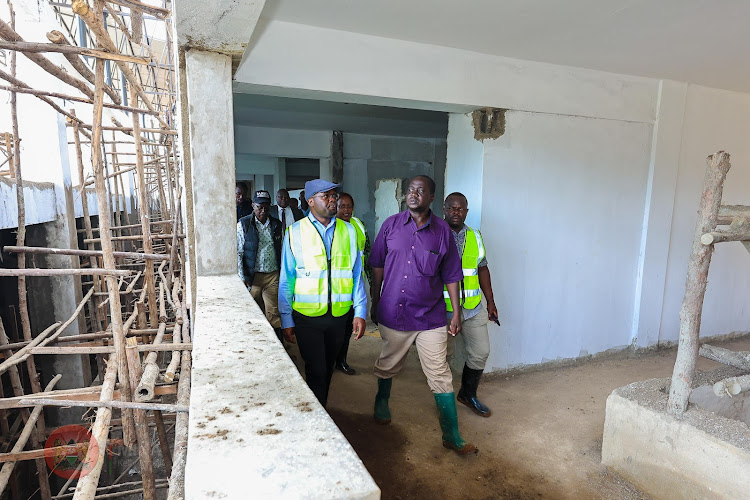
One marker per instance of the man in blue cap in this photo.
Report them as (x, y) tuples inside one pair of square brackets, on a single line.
[(320, 282)]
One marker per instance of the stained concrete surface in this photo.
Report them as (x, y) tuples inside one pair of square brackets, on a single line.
[(543, 440)]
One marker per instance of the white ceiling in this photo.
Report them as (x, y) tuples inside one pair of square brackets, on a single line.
[(698, 41)]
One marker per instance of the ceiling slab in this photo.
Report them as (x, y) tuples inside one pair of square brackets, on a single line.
[(697, 41)]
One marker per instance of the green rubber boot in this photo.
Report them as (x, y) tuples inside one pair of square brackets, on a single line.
[(446, 404), (382, 413)]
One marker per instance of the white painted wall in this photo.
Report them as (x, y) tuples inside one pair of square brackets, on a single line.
[(714, 120), (465, 164), (561, 219)]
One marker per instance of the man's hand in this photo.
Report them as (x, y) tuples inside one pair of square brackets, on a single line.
[(455, 327), (289, 335), (359, 328), (492, 311)]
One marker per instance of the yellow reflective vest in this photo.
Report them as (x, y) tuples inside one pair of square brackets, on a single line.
[(320, 281), (470, 295), (361, 235)]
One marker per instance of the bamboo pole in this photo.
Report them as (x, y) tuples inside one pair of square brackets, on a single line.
[(86, 394), (21, 273), (171, 370), (106, 243), (86, 487), (65, 50), (37, 435), (145, 389), (82, 8), (161, 432), (58, 38), (108, 349), (177, 478), (8, 33), (23, 308), (23, 353), (695, 288), (18, 83), (732, 386), (148, 9), (134, 226), (157, 236), (739, 360), (84, 253), (123, 405), (28, 429), (141, 424), (44, 93), (11, 158), (94, 310)]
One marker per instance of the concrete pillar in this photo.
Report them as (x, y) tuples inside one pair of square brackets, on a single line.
[(326, 169), (211, 151), (279, 178)]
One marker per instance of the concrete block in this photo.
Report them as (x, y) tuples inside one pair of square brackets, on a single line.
[(700, 455), (256, 430), (357, 146)]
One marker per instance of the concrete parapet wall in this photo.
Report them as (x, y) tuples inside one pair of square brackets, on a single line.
[(701, 455), (256, 430)]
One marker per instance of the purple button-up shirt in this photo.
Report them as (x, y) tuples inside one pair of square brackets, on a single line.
[(417, 263)]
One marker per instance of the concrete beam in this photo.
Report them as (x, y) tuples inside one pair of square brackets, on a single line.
[(216, 26), (256, 429)]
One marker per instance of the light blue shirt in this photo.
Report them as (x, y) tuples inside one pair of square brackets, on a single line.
[(288, 275)]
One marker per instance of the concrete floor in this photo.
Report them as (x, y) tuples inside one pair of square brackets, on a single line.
[(543, 440)]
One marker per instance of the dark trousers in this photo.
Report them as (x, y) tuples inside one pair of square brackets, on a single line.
[(349, 329), (319, 340)]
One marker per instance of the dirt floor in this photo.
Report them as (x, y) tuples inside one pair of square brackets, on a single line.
[(543, 440)]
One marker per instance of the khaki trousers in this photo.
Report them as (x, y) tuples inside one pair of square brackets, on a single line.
[(431, 347), (476, 339), (265, 291)]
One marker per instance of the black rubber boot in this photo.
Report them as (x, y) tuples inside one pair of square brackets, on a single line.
[(382, 413), (468, 393)]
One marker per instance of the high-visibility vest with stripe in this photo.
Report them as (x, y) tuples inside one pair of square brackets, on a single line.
[(470, 294), (361, 234), (320, 280)]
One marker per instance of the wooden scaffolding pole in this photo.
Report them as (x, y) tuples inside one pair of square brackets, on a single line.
[(106, 243), (695, 287)]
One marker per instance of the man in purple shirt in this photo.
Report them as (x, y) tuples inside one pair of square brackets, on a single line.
[(412, 258)]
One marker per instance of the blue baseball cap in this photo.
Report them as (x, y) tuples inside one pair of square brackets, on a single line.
[(316, 186)]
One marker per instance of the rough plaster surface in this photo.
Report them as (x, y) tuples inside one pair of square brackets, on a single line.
[(209, 88), (701, 455), (216, 26), (387, 200), (254, 423)]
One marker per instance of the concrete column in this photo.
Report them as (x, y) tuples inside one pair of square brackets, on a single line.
[(209, 108), (279, 178), (464, 165), (657, 218), (326, 169)]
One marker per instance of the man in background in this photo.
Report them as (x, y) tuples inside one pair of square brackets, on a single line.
[(259, 240), (345, 213), (473, 315), (284, 211), (244, 207)]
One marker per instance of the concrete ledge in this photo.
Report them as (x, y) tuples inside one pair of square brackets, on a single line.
[(256, 430), (701, 455)]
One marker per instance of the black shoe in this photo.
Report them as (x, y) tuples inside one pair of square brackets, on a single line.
[(344, 367), (468, 393)]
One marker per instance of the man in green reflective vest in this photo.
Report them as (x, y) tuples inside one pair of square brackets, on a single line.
[(320, 283), (345, 213), (474, 317)]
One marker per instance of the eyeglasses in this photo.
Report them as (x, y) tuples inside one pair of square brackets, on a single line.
[(455, 210), (330, 197)]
